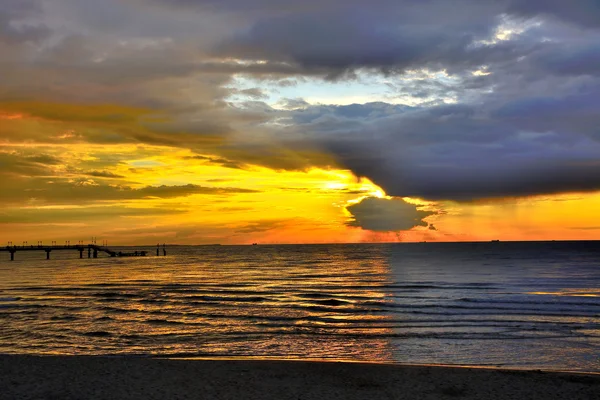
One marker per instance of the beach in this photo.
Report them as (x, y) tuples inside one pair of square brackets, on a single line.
[(86, 377)]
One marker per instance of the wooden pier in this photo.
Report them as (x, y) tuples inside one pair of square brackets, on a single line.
[(92, 250)]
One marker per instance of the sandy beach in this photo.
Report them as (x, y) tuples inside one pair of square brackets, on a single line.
[(50, 377)]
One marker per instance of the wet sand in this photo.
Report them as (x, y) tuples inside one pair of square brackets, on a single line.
[(70, 378)]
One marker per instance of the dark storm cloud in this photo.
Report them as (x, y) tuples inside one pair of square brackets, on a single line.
[(497, 180), (337, 37), (459, 152), (386, 215), (333, 45)]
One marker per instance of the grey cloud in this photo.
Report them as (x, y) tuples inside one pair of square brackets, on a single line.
[(219, 161), (28, 165), (124, 63), (218, 180), (574, 60), (261, 226), (386, 215), (183, 190), (331, 45), (299, 155), (581, 12), (15, 26), (103, 174), (63, 191), (354, 113), (255, 7), (44, 159), (19, 9), (566, 114), (293, 104), (26, 33), (254, 93)]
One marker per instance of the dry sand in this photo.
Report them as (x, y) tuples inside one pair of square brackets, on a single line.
[(66, 378)]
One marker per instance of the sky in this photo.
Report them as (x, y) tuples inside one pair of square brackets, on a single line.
[(279, 121)]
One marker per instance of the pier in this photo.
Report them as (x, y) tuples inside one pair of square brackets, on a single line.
[(91, 249)]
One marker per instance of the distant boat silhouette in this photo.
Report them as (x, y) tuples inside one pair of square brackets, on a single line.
[(254, 244), (495, 240)]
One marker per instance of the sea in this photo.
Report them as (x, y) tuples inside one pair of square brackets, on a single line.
[(530, 305)]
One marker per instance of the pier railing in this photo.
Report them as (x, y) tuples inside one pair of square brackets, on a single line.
[(92, 250)]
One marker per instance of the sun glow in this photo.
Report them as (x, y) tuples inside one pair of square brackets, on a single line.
[(136, 193)]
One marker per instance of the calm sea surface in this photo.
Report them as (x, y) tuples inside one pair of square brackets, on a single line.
[(524, 305)]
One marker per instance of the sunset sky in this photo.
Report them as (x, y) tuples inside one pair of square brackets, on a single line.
[(279, 121)]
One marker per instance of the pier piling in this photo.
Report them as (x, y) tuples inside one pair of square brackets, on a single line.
[(92, 250)]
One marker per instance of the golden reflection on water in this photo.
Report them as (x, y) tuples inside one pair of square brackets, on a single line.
[(320, 305), (579, 292), (375, 303)]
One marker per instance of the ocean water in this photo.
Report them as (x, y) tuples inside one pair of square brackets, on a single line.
[(507, 304)]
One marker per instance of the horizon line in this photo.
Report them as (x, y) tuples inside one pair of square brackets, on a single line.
[(355, 243)]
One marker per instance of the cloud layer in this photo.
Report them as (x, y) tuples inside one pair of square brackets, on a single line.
[(387, 215), (482, 99)]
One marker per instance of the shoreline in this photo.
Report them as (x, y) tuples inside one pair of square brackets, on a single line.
[(363, 362), (132, 377)]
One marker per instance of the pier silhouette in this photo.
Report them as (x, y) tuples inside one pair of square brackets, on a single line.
[(92, 250)]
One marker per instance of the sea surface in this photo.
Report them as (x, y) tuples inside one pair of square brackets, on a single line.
[(508, 304)]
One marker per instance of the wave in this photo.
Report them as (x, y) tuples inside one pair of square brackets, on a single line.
[(115, 295), (561, 301), (97, 334), (64, 318), (509, 309), (163, 322), (332, 302), (7, 299)]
